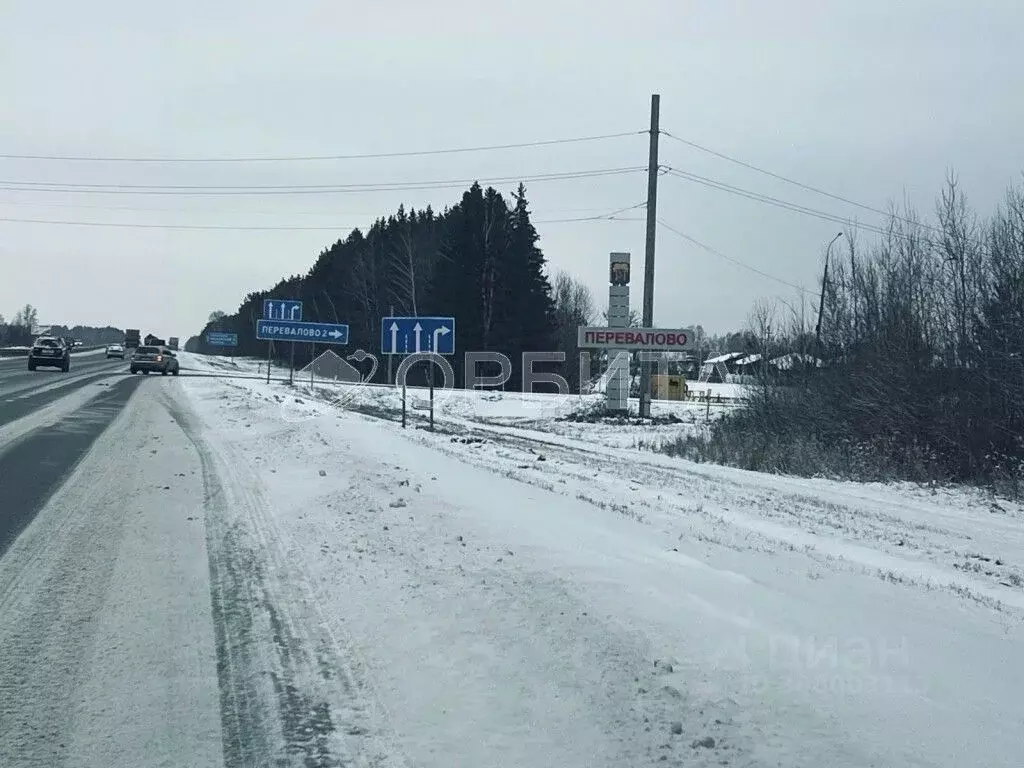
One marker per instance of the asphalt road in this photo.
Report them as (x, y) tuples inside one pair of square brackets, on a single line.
[(35, 461), (23, 391), (107, 645), (34, 466)]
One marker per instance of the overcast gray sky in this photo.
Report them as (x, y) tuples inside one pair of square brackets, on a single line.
[(869, 99)]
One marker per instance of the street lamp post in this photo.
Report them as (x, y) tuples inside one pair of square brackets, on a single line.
[(824, 286)]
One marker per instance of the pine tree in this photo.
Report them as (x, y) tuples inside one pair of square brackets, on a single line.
[(467, 282), (526, 310)]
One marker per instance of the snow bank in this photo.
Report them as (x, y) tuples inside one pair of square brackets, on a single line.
[(519, 596)]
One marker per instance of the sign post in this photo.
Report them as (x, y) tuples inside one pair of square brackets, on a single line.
[(390, 358), (283, 309), (287, 330), (431, 396), (410, 335), (627, 340), (221, 339), (415, 335), (617, 386), (635, 339)]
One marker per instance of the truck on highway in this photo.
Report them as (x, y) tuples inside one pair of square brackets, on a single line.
[(173, 343), (132, 338)]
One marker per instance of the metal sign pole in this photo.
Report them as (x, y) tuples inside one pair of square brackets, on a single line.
[(269, 345), (391, 356), (431, 395), (291, 372), (312, 367), (403, 405)]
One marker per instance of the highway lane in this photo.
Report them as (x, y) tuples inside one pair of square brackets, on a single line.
[(108, 642), (33, 467), (23, 391), (14, 371)]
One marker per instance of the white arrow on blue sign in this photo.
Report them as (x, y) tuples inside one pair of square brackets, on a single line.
[(282, 309), (408, 335), (285, 330)]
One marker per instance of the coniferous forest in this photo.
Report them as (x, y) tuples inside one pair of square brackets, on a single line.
[(478, 261)]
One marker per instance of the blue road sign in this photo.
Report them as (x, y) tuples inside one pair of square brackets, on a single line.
[(218, 339), (282, 309), (286, 330), (408, 335)]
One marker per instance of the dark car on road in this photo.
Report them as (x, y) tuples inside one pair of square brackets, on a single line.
[(156, 359), (49, 352)]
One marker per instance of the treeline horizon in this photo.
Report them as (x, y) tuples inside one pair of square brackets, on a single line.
[(478, 260), (922, 345)]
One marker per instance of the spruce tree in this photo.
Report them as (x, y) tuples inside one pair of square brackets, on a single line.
[(526, 309)]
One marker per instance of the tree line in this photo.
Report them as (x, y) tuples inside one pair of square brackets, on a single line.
[(922, 358), (478, 260), (19, 331)]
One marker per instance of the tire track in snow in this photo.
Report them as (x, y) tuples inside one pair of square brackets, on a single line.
[(288, 696)]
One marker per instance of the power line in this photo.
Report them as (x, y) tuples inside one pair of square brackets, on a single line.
[(272, 187), (186, 211), (800, 184), (785, 204), (310, 189), (757, 196), (134, 225), (752, 167), (317, 158), (610, 216), (249, 212), (730, 259)]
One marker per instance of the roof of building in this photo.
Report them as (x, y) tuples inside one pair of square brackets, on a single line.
[(725, 358)]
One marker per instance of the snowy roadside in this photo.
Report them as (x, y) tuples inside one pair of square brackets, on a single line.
[(558, 601), (950, 539)]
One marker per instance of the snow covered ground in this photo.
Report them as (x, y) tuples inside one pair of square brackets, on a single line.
[(514, 590), (243, 574), (549, 413)]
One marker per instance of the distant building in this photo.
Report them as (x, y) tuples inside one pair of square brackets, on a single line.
[(717, 369), (749, 365)]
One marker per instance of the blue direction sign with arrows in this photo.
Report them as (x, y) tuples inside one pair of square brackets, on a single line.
[(408, 335), (219, 339), (286, 330), (282, 309)]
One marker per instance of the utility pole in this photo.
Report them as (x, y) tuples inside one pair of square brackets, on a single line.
[(824, 287), (652, 224)]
